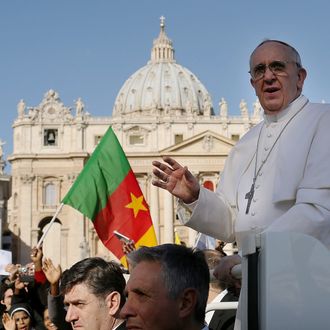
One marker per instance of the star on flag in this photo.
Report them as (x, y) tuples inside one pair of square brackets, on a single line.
[(136, 204)]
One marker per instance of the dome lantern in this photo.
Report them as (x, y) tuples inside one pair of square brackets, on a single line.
[(162, 50)]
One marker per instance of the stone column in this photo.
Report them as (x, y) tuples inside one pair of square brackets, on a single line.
[(25, 223), (154, 206), (168, 218)]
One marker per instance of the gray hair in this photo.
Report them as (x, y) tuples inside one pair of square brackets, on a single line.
[(182, 268), (294, 51)]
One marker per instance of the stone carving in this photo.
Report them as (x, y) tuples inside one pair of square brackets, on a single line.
[(79, 107), (2, 162), (208, 142), (21, 109), (189, 107), (223, 106), (244, 109), (51, 95), (167, 108), (207, 106), (27, 178), (33, 113), (1, 149)]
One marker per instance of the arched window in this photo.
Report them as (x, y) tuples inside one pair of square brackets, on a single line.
[(50, 194), (52, 239)]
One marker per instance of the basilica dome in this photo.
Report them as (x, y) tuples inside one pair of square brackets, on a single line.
[(163, 87)]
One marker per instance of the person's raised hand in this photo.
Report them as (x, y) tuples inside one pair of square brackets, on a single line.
[(176, 179), (8, 322), (36, 257), (52, 273), (128, 247)]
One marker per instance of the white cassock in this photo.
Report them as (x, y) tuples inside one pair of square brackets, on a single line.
[(292, 189)]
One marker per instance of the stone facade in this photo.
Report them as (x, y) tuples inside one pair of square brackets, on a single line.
[(5, 191), (162, 109)]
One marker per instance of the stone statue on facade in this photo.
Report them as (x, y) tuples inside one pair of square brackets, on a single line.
[(189, 108), (167, 108), (244, 109), (207, 106), (79, 107), (223, 106), (21, 109), (33, 113), (51, 95), (2, 162), (1, 149)]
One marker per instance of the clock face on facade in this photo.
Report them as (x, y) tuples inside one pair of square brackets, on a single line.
[(51, 111)]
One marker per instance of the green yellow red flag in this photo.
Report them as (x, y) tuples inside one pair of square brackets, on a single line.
[(107, 192)]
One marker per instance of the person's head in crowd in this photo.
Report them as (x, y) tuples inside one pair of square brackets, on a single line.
[(277, 75), (49, 325), (6, 294), (21, 314), (220, 247), (167, 289), (225, 279), (93, 292)]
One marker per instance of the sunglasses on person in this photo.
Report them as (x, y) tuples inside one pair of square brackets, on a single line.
[(278, 68)]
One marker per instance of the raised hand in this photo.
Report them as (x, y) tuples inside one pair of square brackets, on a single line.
[(128, 247), (8, 322), (176, 179), (52, 273), (36, 257)]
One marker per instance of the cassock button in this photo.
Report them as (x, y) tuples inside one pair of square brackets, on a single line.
[(269, 135), (266, 148), (260, 174), (253, 213), (257, 186)]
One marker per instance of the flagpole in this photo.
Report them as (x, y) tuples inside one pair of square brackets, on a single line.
[(49, 225)]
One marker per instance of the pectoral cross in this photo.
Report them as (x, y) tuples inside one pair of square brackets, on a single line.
[(249, 197)]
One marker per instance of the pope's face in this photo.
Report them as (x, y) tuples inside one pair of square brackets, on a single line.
[(277, 91)]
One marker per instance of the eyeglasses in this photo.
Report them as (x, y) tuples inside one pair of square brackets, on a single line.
[(278, 68)]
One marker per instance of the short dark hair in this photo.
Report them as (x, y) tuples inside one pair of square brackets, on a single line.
[(100, 276), (182, 268)]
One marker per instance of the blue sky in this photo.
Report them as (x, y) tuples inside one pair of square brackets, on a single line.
[(88, 48)]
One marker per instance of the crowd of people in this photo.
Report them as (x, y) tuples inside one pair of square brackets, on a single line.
[(168, 288), (276, 178)]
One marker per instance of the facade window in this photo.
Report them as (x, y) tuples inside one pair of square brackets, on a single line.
[(50, 195), (178, 138), (135, 139), (235, 137), (50, 137)]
